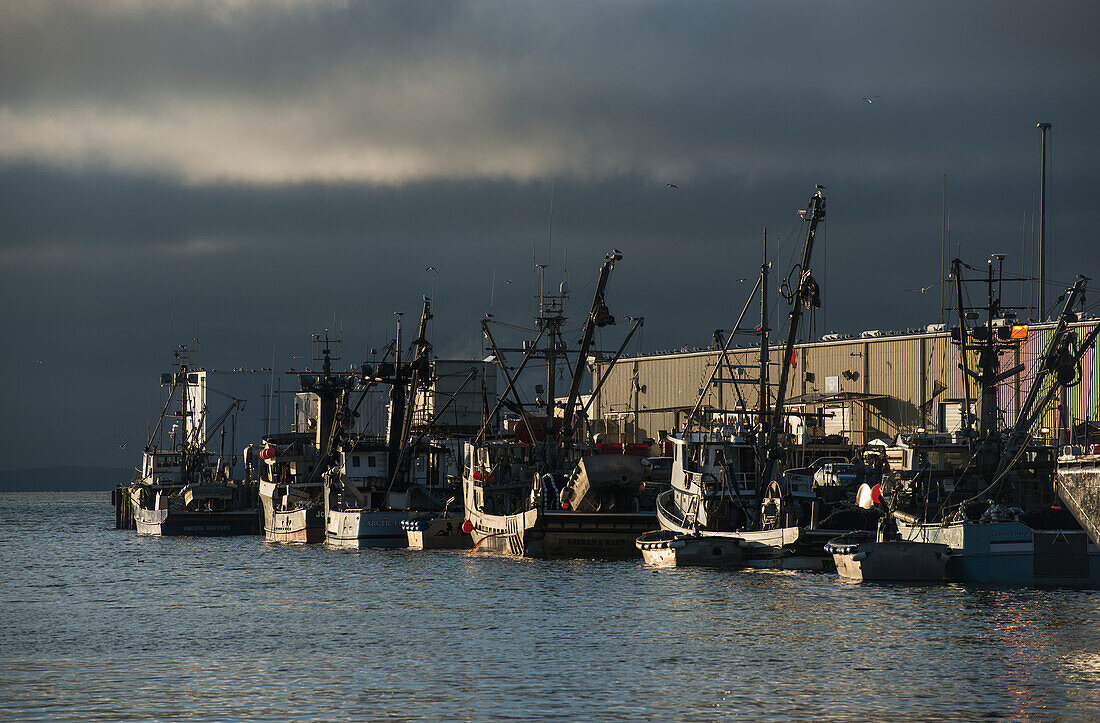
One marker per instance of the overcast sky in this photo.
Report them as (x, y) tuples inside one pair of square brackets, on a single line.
[(244, 172)]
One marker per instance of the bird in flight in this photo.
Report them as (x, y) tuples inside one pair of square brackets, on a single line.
[(672, 185), (872, 99)]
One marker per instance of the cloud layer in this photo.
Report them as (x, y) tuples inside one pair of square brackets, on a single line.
[(395, 92)]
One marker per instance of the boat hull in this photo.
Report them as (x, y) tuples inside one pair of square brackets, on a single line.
[(181, 523), (298, 526), (1011, 553), (889, 561), (356, 529), (565, 534), (666, 549), (603, 535), (437, 533), (786, 548)]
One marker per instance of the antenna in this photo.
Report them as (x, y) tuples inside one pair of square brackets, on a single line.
[(943, 244), (550, 232), (492, 291), (270, 392)]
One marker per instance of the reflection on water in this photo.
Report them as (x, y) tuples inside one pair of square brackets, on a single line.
[(101, 624)]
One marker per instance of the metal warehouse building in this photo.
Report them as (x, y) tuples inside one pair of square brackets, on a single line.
[(873, 385)]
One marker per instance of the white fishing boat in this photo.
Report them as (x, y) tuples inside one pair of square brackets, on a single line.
[(727, 488), (373, 486), (184, 489), (547, 491)]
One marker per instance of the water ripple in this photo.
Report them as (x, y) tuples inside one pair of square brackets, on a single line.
[(104, 625)]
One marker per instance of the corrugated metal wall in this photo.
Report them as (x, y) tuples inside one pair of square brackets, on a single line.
[(913, 375)]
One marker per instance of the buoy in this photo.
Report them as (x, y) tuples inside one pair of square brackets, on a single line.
[(863, 497), (876, 494), (565, 505), (467, 526)]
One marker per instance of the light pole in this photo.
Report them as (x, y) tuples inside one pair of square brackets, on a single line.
[(1044, 127)]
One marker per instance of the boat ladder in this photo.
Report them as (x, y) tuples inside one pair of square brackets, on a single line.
[(691, 514), (515, 525)]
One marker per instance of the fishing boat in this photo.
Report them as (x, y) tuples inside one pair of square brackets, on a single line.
[(714, 498), (727, 483), (183, 490), (289, 465), (882, 556), (290, 496), (999, 513), (543, 488), (593, 511), (368, 505)]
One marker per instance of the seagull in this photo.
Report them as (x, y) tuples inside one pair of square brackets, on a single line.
[(432, 268), (672, 185), (39, 362), (872, 99)]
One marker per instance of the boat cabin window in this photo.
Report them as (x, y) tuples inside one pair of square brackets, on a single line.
[(355, 461), (372, 461), (168, 461), (747, 461)]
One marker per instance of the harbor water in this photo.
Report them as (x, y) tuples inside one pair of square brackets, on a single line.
[(101, 624)]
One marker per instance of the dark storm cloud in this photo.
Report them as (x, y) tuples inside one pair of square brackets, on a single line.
[(241, 171), (396, 92)]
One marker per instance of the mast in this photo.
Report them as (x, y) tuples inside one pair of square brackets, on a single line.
[(763, 400), (549, 322), (804, 295), (418, 370), (397, 402), (989, 364), (956, 265)]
